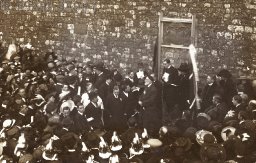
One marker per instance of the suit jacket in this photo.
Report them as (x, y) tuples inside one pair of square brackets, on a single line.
[(129, 103), (80, 83), (222, 110), (150, 118), (173, 75), (89, 78), (104, 91), (140, 81), (80, 123), (4, 111), (94, 112), (236, 110), (169, 89), (229, 90), (74, 157), (218, 112), (148, 97), (114, 106), (184, 91), (240, 107), (130, 82), (59, 131), (159, 96), (207, 95), (14, 110), (100, 79)]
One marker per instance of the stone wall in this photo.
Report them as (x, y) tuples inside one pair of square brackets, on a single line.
[(122, 33)]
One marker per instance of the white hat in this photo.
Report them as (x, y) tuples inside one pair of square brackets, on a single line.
[(154, 143), (69, 103), (204, 115), (8, 123), (227, 131), (200, 136)]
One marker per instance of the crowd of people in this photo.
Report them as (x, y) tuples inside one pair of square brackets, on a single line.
[(55, 109)]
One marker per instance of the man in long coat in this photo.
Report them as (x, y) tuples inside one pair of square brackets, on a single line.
[(149, 107), (115, 110), (170, 90), (93, 112), (170, 80)]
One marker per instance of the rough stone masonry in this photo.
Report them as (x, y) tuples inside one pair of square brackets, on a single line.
[(121, 33)]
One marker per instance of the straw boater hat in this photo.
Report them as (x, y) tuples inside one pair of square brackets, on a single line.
[(8, 123), (200, 136), (154, 143), (69, 103), (16, 58), (227, 131), (204, 115), (203, 120)]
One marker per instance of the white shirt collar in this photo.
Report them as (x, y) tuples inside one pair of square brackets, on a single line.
[(125, 93), (100, 73), (22, 114), (116, 96), (130, 79), (94, 104), (80, 113), (210, 84), (241, 122)]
